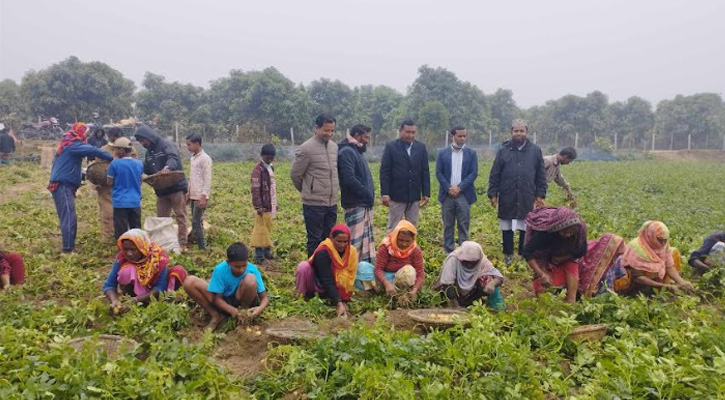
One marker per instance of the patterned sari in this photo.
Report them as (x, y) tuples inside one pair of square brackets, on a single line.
[(601, 255)]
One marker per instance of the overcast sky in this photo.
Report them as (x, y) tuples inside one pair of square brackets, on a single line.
[(540, 49)]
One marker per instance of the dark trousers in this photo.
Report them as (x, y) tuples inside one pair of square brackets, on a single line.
[(125, 219), (260, 253), (197, 224), (64, 198), (319, 220), (508, 242), (455, 210)]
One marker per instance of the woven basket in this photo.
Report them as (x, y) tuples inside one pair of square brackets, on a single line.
[(293, 335), (112, 344), (161, 181), (439, 317), (591, 333), (294, 330), (97, 172)]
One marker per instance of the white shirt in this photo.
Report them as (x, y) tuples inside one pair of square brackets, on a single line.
[(200, 176), (456, 165)]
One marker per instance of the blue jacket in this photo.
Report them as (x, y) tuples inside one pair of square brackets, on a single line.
[(469, 173), (356, 183), (67, 165)]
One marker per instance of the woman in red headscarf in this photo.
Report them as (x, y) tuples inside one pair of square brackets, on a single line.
[(65, 178), (331, 270)]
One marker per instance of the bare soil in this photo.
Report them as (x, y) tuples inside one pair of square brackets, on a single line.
[(691, 155)]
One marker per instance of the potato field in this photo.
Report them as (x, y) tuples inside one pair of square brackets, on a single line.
[(663, 347)]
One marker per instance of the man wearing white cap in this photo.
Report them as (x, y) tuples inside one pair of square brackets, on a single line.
[(517, 181)]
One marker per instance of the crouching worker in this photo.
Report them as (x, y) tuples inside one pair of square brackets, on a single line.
[(140, 270), (399, 264), (467, 275), (556, 238), (712, 252), (331, 270), (236, 289), (650, 263), (12, 270)]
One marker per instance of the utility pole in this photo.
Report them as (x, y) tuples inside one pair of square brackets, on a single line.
[(615, 141)]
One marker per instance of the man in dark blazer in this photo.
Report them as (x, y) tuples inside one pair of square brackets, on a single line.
[(404, 176), (456, 170), (517, 181)]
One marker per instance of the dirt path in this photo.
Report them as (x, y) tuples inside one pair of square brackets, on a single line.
[(691, 155)]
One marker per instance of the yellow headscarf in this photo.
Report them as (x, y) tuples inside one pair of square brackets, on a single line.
[(391, 242), (155, 259), (344, 267)]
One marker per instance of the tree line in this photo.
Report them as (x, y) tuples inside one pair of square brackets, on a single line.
[(266, 102)]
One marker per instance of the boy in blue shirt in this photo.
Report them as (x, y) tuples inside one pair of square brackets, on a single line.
[(236, 289), (124, 176)]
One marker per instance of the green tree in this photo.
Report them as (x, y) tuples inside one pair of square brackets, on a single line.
[(631, 120), (265, 99), (433, 121), (699, 115), (335, 98), (72, 90), (11, 105), (167, 103), (559, 121), (465, 102), (503, 110), (374, 106)]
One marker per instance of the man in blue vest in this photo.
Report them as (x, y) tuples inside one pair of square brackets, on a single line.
[(456, 170)]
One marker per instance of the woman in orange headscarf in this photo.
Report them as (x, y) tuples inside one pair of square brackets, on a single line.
[(399, 263), (140, 268), (331, 270), (650, 262)]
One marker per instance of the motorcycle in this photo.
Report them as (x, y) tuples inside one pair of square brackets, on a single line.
[(44, 130)]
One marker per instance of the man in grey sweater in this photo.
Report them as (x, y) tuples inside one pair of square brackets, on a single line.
[(314, 174)]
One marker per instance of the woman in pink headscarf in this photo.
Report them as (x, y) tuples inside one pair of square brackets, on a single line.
[(556, 238), (649, 262)]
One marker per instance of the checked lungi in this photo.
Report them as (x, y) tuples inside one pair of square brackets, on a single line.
[(360, 222)]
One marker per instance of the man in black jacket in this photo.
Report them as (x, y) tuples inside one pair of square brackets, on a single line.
[(517, 181), (357, 191), (163, 156), (7, 145), (404, 176)]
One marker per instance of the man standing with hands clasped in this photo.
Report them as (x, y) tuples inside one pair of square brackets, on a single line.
[(456, 170), (517, 181), (314, 174), (404, 176)]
